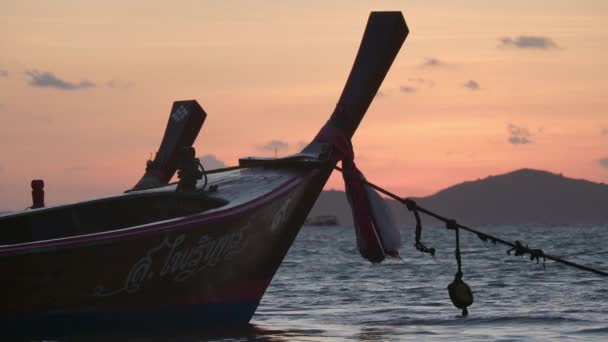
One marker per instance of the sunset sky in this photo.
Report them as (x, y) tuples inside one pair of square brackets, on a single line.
[(479, 88)]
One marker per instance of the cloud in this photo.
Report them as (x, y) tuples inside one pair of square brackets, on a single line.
[(118, 84), (210, 162), (407, 89), (472, 85), (275, 145), (3, 73), (528, 42), (421, 81), (604, 132), (47, 79), (415, 84), (432, 63), (603, 162), (519, 135)]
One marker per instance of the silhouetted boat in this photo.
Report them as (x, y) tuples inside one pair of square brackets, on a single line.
[(156, 256)]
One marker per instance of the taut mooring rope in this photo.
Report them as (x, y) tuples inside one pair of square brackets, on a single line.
[(517, 247)]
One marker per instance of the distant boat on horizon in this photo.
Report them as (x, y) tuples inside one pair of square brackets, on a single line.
[(322, 220)]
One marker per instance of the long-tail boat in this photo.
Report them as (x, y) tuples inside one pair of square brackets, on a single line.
[(188, 254)]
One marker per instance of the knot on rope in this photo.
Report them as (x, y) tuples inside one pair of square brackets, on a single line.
[(484, 237), (519, 249), (451, 224), (410, 204)]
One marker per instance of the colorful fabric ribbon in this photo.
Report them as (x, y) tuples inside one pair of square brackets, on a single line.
[(377, 234)]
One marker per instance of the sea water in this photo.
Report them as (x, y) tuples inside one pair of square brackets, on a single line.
[(324, 291)]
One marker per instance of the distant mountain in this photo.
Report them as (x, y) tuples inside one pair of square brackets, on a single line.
[(522, 196)]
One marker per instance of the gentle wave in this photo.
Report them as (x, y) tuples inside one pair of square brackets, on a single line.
[(603, 330)]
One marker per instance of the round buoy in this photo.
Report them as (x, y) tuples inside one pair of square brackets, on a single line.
[(460, 294)]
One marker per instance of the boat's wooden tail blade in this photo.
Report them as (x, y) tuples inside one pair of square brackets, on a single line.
[(383, 37), (185, 121)]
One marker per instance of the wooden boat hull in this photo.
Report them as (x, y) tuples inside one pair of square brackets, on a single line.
[(199, 270), (159, 257)]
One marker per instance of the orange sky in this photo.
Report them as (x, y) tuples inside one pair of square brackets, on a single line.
[(479, 88)]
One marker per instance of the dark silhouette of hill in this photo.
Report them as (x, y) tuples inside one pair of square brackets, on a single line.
[(522, 196)]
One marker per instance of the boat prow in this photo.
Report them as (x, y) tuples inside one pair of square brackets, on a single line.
[(159, 254)]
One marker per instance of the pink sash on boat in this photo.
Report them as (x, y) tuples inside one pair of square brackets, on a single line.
[(377, 234)]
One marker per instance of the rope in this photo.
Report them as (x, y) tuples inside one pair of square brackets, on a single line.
[(411, 206), (451, 224), (204, 173), (517, 246)]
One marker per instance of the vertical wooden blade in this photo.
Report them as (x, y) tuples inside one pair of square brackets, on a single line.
[(185, 122)]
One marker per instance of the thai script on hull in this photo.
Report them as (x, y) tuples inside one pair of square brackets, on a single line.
[(180, 263)]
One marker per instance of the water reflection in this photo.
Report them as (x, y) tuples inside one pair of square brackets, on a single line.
[(246, 333), (370, 334)]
